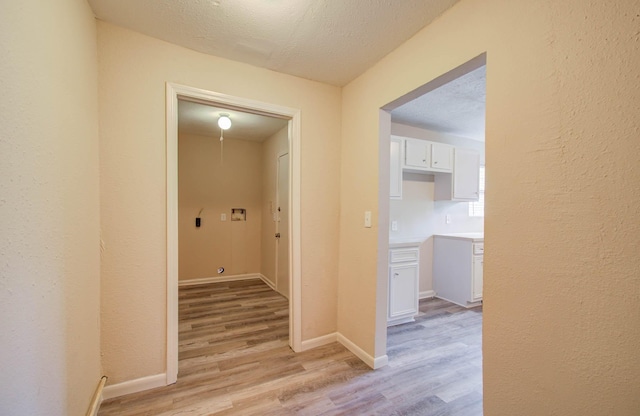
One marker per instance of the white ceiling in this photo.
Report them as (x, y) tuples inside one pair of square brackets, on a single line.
[(332, 41), (201, 119), (457, 107)]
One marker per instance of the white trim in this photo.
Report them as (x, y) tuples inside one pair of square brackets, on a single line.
[(231, 278), (97, 398), (319, 341), (427, 294), (295, 227), (399, 321), (173, 91), (172, 234), (380, 362), (372, 362), (134, 386), (267, 281)]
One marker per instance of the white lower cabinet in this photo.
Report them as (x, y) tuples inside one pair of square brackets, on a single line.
[(457, 269), (403, 285)]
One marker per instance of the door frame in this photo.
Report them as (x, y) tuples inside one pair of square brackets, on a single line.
[(173, 93)]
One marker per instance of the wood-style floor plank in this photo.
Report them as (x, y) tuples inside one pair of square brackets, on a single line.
[(234, 359)]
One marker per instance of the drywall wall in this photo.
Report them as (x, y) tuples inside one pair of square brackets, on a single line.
[(271, 149), (561, 270), (133, 70), (208, 188), (418, 216), (49, 208)]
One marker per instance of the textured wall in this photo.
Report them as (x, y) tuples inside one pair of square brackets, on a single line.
[(206, 184), (562, 234), (49, 209), (133, 70)]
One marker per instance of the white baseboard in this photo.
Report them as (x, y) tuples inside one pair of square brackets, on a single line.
[(319, 341), (134, 386), (427, 294), (97, 398), (372, 362), (268, 282), (231, 278), (380, 362)]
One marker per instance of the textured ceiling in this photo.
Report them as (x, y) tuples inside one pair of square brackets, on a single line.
[(201, 119), (331, 41), (457, 107)]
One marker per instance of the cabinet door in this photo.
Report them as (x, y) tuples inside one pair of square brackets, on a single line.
[(395, 169), (466, 175), (403, 290), (416, 154), (478, 263), (441, 157)]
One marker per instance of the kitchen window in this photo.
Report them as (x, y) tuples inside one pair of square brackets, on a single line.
[(476, 209)]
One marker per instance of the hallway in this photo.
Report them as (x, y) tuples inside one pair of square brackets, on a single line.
[(235, 359)]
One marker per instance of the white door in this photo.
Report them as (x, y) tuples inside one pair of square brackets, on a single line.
[(282, 226)]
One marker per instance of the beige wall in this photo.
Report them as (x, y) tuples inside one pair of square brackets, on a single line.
[(561, 231), (215, 188), (133, 70), (49, 208), (271, 149)]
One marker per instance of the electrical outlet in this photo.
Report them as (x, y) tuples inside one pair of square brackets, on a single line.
[(223, 217), (394, 225), (447, 219)]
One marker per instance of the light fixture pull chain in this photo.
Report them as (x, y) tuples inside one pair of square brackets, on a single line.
[(221, 147)]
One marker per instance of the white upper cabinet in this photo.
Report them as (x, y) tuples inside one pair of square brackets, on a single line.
[(395, 169), (466, 177), (416, 154), (464, 183), (441, 157), (456, 169), (427, 156)]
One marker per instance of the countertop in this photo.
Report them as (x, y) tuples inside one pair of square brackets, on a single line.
[(464, 236)]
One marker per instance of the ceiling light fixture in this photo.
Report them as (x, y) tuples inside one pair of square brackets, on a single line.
[(224, 122)]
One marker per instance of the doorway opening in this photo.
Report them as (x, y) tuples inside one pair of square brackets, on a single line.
[(431, 159), (205, 210)]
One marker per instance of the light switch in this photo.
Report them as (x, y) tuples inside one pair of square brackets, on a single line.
[(223, 217), (367, 219), (394, 225)]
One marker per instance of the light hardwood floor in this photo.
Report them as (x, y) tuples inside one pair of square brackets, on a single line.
[(234, 360)]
